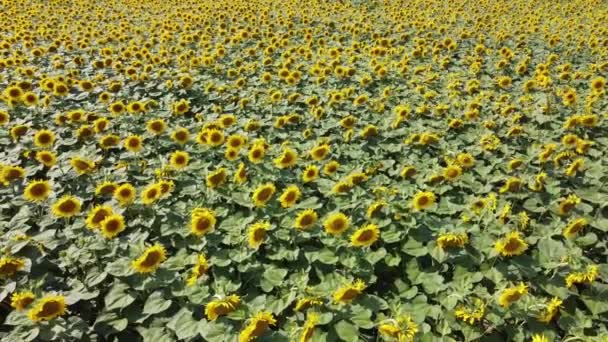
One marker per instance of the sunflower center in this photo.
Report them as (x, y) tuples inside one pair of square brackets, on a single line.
[(67, 206), (264, 194), (50, 308), (365, 236), (151, 259), (202, 224)]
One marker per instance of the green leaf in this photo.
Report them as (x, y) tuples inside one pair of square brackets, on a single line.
[(156, 303), (275, 275), (118, 298), (183, 324), (346, 331)]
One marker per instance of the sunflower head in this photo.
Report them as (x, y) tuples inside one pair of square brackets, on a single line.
[(365, 236), (66, 207), (305, 219), (202, 221), (336, 223), (150, 260), (47, 308), (263, 194), (37, 191), (423, 200)]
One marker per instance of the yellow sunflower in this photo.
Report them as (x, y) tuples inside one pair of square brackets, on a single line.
[(21, 300), (331, 168), (125, 194), (82, 166), (512, 244), (349, 292), (423, 200), (10, 265), (263, 194), (44, 138), (47, 308), (310, 173), (216, 178), (151, 194), (240, 176), (257, 326), (365, 236), (574, 227), (156, 126), (512, 294), (97, 215), (257, 233), (221, 307), (106, 188), (150, 260), (66, 207), (198, 270), (320, 152), (305, 219), (202, 221), (112, 225), (287, 159), (37, 191), (336, 223), (133, 143), (179, 160), (256, 153), (180, 135)]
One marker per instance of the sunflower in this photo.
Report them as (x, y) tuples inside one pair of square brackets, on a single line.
[(287, 159), (85, 132), (150, 260), (30, 99), (512, 294), (568, 204), (9, 266), (108, 141), (60, 89), (82, 166), (235, 142), (597, 84), (319, 152), (471, 315), (574, 227), (66, 207), (156, 126), (257, 326), (135, 107), (452, 240), (179, 160), (305, 219), (47, 308), (240, 176), (117, 108), (308, 330), (513, 184), (151, 194), (200, 268), (133, 143), (202, 221), (216, 178), (365, 236), (44, 138), (18, 131), (586, 277), (336, 223), (575, 167), (180, 135), (256, 153), (331, 168), (423, 200), (221, 307), (551, 310), (21, 300), (310, 173), (37, 191), (452, 172), (112, 225), (257, 234), (349, 292), (97, 215), (4, 118), (106, 188), (125, 194), (11, 173), (512, 244), (215, 137), (403, 329), (263, 194), (342, 186), (166, 186), (13, 93), (47, 158), (374, 208), (101, 124)]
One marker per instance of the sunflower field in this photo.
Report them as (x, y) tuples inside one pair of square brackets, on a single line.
[(303, 170)]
